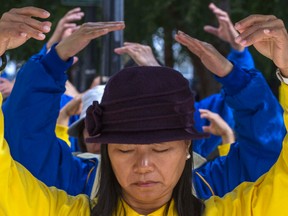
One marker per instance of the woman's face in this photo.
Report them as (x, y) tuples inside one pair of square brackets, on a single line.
[(148, 173)]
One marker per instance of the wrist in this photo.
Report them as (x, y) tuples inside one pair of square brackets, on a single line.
[(228, 137), (62, 55), (282, 75), (4, 62), (226, 70), (237, 47), (284, 72), (63, 118)]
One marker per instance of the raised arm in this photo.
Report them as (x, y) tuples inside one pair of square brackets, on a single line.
[(32, 111), (268, 193), (227, 32), (258, 124)]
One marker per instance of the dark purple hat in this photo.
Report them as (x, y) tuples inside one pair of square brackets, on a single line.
[(143, 105)]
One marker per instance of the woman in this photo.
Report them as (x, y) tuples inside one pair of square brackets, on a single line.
[(150, 168), (148, 127)]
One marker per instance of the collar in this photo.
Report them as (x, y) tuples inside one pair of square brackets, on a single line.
[(123, 208)]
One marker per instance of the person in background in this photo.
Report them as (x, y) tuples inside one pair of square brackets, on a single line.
[(47, 70), (252, 126), (218, 127), (227, 32), (239, 54)]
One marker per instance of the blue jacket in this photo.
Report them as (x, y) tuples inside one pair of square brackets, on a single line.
[(243, 58), (216, 103), (30, 118), (259, 128), (32, 110)]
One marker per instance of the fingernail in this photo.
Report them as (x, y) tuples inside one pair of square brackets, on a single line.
[(41, 35), (238, 39), (243, 42), (23, 34), (46, 28), (46, 13), (266, 31)]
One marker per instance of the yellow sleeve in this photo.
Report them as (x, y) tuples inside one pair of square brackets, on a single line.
[(281, 94), (267, 196), (61, 132), (23, 194), (224, 149)]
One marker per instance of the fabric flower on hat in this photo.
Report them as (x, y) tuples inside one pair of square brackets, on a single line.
[(93, 120)]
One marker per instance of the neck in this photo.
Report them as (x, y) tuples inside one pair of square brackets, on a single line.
[(145, 208)]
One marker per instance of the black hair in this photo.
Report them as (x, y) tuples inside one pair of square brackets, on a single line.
[(110, 191), (80, 137)]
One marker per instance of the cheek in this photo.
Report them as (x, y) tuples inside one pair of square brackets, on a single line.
[(172, 168), (121, 170)]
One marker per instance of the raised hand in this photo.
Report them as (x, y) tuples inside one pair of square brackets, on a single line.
[(65, 26), (209, 56), (6, 87), (18, 25), (79, 39), (217, 126), (141, 54), (73, 107), (225, 30), (268, 35)]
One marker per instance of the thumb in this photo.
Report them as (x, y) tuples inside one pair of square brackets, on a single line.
[(206, 129), (212, 30)]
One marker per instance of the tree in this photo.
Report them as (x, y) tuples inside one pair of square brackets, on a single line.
[(144, 17)]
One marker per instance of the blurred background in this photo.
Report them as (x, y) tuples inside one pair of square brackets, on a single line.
[(151, 22)]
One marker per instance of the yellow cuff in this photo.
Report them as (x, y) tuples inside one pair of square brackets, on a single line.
[(224, 149), (61, 132)]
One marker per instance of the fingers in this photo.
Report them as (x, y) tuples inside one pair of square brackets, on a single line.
[(131, 48), (252, 20), (94, 30), (17, 23), (31, 11), (74, 10), (207, 129), (211, 30), (69, 25), (73, 16), (123, 50), (217, 11), (77, 41), (194, 45), (204, 113), (260, 32)]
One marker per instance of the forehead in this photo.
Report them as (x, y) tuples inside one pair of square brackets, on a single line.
[(170, 143)]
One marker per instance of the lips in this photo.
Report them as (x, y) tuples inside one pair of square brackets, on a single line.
[(146, 183)]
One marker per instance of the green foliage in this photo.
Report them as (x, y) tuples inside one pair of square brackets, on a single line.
[(144, 17)]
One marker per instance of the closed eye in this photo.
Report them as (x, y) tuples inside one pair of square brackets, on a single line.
[(125, 151), (161, 150)]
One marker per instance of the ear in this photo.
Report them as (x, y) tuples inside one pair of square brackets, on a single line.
[(188, 143)]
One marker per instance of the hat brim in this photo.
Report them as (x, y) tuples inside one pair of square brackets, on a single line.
[(76, 128), (147, 137)]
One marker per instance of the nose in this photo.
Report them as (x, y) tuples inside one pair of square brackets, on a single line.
[(143, 163)]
